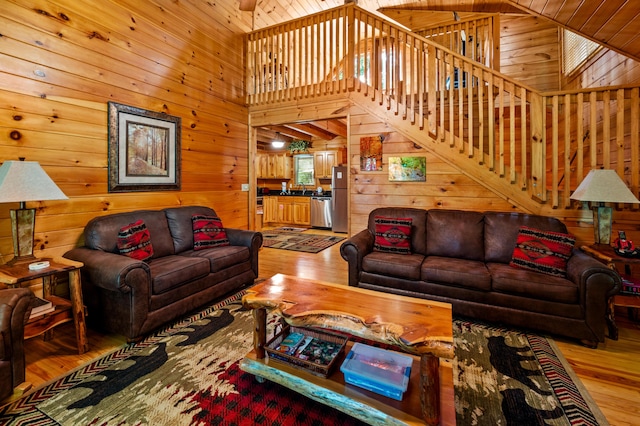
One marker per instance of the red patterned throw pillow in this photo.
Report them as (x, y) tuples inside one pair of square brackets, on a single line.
[(393, 235), (208, 232), (134, 241), (543, 251)]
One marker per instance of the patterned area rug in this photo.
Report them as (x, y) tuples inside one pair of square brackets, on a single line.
[(188, 374), (308, 243)]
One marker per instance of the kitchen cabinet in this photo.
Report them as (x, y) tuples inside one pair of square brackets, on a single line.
[(273, 166), (269, 209), (287, 210), (261, 165), (323, 162), (279, 166), (301, 211)]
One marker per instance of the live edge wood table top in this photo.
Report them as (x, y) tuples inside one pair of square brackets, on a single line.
[(419, 327)]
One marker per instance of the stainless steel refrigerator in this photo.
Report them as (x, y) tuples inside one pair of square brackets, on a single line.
[(339, 199)]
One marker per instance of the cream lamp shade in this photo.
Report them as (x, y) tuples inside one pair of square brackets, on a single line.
[(603, 186), (22, 181)]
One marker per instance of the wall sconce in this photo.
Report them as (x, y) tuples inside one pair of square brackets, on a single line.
[(22, 181), (603, 186), (277, 142)]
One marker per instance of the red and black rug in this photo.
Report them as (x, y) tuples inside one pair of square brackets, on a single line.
[(188, 374)]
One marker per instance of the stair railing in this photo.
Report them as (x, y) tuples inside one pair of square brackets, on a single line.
[(521, 135)]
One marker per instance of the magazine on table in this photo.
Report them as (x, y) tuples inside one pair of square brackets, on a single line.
[(41, 306)]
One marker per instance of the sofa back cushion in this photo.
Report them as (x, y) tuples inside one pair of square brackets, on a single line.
[(418, 224), (501, 232), (455, 233), (181, 224), (101, 233)]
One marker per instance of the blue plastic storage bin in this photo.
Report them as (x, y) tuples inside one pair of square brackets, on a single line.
[(378, 370)]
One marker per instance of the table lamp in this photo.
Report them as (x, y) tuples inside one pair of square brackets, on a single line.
[(603, 186), (22, 181)]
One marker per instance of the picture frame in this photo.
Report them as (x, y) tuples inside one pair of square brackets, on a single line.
[(407, 169), (371, 153), (144, 150)]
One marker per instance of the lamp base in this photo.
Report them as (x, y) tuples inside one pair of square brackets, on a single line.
[(602, 220), (23, 223)]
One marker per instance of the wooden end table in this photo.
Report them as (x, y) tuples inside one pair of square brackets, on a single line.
[(65, 310), (419, 327), (608, 256)]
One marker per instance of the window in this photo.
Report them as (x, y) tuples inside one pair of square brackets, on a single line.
[(575, 51), (303, 167)]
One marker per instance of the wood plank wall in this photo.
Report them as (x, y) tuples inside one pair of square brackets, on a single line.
[(62, 61), (529, 51), (605, 68), (446, 187)]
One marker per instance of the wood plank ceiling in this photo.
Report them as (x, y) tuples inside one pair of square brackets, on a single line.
[(613, 23)]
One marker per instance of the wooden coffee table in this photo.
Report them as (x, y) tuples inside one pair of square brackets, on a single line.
[(419, 327)]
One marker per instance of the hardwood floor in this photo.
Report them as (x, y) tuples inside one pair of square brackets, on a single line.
[(610, 373)]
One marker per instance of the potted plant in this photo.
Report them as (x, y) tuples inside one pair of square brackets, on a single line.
[(298, 146)]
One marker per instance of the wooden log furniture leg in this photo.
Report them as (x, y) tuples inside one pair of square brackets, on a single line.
[(260, 332), (77, 310), (430, 388)]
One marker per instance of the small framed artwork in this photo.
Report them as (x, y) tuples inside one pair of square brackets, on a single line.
[(407, 169), (144, 150), (371, 153)]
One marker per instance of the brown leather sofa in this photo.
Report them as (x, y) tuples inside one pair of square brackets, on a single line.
[(132, 297), (462, 257), (15, 307)]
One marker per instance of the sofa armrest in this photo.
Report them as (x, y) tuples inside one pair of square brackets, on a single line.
[(110, 271), (597, 283), (251, 239), (15, 308), (586, 271), (354, 250)]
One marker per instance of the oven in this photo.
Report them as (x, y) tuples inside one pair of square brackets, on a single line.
[(259, 209)]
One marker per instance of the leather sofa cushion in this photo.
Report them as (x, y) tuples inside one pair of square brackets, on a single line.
[(181, 224), (418, 224), (221, 257), (455, 233), (101, 233), (174, 271), (405, 266), (509, 280), (457, 272), (501, 232)]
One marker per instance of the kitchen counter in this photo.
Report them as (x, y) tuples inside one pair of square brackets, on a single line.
[(296, 194)]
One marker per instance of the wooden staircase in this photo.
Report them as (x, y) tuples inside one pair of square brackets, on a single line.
[(530, 148)]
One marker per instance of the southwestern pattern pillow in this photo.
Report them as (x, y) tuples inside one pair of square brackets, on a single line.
[(208, 232), (134, 241), (393, 235), (543, 251)]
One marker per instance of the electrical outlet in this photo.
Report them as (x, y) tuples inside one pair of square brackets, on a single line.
[(245, 186)]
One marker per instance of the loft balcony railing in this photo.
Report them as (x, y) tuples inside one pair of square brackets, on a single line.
[(540, 143)]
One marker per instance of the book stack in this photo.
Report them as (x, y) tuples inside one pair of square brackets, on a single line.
[(40, 307), (630, 287)]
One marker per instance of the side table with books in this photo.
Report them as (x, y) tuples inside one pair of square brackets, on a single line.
[(629, 295), (51, 311)]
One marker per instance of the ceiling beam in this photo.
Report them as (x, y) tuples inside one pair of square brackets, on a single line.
[(291, 131), (313, 130), (336, 127)]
